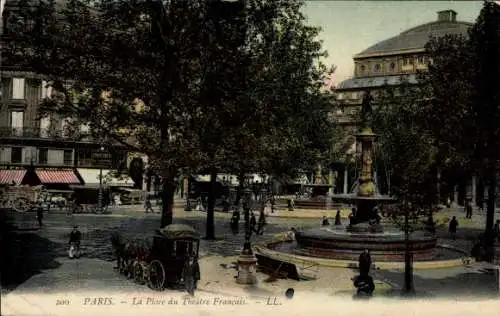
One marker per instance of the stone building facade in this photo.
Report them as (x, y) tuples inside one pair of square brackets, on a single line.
[(30, 142)]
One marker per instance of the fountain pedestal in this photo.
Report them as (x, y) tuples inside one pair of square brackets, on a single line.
[(247, 264), (364, 232)]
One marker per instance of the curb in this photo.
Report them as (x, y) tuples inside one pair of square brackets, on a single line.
[(334, 263)]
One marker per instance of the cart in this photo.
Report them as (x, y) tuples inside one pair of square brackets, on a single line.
[(24, 198), (172, 261), (86, 200)]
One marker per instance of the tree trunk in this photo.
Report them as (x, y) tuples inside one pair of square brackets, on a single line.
[(408, 287), (167, 198), (490, 213), (210, 228)]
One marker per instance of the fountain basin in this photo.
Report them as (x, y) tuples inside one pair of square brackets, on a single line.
[(446, 256), (329, 243)]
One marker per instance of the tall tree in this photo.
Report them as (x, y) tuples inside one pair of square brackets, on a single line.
[(460, 101), (191, 89), (129, 69)]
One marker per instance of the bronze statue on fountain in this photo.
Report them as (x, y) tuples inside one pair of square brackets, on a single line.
[(366, 218)]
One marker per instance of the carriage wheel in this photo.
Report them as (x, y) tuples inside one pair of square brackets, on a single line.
[(139, 273), (21, 205), (156, 275)]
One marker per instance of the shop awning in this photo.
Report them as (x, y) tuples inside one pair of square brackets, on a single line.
[(7, 176), (57, 176), (91, 178)]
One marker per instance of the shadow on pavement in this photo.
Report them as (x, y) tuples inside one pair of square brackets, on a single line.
[(444, 283), (23, 254)]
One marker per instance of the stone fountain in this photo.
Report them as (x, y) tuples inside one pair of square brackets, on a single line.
[(386, 243)]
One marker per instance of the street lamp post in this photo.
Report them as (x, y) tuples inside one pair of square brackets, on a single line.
[(408, 287), (247, 262), (99, 197)]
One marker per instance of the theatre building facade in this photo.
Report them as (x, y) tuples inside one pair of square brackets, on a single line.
[(392, 62)]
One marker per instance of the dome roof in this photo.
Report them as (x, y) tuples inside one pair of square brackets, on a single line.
[(417, 37)]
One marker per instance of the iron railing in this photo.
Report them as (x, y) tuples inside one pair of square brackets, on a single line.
[(44, 133)]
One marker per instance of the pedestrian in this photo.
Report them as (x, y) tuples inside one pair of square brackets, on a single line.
[(199, 205), (325, 221), (39, 216), (235, 222), (262, 223), (187, 205), (453, 227), (147, 206), (365, 262), (290, 235), (496, 230), (468, 209), (337, 218), (253, 222), (364, 285), (430, 225), (75, 237)]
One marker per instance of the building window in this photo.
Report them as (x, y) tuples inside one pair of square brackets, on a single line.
[(420, 60), (376, 68), (17, 122), (18, 88), (68, 157), (354, 95), (362, 68), (392, 66), (43, 155), (408, 61), (16, 155)]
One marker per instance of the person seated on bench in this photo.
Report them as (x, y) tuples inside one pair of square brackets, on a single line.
[(290, 235), (325, 221)]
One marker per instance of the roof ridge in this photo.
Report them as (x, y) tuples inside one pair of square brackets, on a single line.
[(435, 23)]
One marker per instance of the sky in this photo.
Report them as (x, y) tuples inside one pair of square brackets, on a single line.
[(349, 27)]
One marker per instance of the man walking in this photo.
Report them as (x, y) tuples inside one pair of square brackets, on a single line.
[(453, 227), (39, 216), (365, 262), (468, 209)]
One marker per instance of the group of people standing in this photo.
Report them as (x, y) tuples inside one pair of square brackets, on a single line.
[(251, 223)]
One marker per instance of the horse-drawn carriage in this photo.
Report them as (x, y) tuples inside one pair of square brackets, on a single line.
[(171, 261), (23, 198)]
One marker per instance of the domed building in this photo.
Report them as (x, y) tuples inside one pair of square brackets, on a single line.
[(393, 61), (389, 62)]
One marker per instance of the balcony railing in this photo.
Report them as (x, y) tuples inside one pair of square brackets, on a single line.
[(43, 133)]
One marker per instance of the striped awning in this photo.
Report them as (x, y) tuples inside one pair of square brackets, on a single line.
[(7, 176), (57, 176)]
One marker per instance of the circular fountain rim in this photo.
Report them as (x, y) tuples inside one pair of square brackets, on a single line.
[(264, 249), (354, 196)]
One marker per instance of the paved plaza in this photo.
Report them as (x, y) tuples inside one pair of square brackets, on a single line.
[(42, 256)]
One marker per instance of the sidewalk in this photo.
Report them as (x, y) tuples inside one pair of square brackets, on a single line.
[(75, 280)]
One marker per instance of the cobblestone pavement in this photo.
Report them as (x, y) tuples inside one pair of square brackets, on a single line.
[(133, 223)]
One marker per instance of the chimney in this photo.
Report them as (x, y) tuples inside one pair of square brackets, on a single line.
[(447, 16)]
